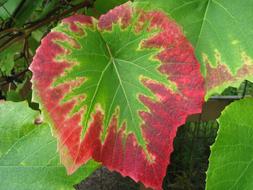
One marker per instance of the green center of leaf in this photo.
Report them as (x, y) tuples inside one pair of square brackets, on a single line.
[(108, 68)]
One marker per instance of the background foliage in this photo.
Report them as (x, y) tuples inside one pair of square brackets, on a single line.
[(28, 157)]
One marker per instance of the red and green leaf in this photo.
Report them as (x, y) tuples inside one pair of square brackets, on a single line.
[(116, 89), (220, 33)]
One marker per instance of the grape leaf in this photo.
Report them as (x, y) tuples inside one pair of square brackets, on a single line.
[(117, 88), (230, 163), (28, 157), (221, 33)]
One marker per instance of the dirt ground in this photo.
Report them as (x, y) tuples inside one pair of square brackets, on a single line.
[(103, 179)]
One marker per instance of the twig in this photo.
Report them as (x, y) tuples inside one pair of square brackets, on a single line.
[(12, 78), (28, 30)]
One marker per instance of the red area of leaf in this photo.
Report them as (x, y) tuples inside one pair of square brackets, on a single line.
[(220, 75), (121, 13), (119, 151), (74, 20), (45, 68)]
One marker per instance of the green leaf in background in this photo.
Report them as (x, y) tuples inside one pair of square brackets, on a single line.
[(16, 120), (2, 2), (222, 34), (21, 12), (231, 160), (28, 157), (26, 11), (101, 7), (48, 7), (7, 58), (20, 93), (7, 8), (13, 95)]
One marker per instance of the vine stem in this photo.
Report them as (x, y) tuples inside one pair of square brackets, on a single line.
[(24, 33), (14, 77)]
